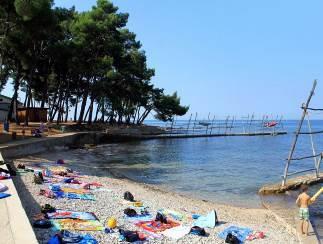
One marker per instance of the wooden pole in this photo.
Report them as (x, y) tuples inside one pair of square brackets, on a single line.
[(312, 143), (233, 118), (318, 165), (194, 122), (212, 124), (189, 122), (226, 124), (171, 127), (207, 125), (281, 122), (297, 133), (251, 120)]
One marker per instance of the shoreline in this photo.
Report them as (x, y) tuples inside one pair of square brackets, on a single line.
[(110, 203), (164, 189)]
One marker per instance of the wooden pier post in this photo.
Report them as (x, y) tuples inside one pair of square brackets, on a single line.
[(233, 119), (312, 144), (212, 124), (207, 125), (189, 122), (194, 122), (171, 127), (226, 124)]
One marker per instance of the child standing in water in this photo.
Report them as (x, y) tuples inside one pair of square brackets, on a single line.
[(303, 201)]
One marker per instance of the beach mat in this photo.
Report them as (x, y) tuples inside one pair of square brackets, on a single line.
[(66, 214), (77, 225)]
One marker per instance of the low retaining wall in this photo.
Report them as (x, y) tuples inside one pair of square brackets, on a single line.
[(14, 225), (38, 145)]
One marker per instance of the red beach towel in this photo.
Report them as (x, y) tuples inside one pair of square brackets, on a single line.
[(156, 226)]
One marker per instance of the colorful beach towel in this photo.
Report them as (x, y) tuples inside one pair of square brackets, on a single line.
[(74, 190), (66, 214), (77, 224), (156, 226), (240, 232), (4, 176), (89, 197), (139, 218), (59, 194), (172, 214), (71, 193), (69, 237)]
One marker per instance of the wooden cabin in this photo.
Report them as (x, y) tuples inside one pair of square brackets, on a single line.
[(34, 114), (5, 106)]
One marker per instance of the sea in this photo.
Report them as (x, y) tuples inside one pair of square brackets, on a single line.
[(228, 170)]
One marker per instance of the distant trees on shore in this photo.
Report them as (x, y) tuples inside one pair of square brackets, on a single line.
[(88, 62)]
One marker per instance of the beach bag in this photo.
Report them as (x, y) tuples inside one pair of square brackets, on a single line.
[(56, 239), (128, 196), (129, 236), (42, 224), (60, 161), (21, 166), (161, 218), (195, 230), (47, 209), (130, 212), (37, 180), (231, 239)]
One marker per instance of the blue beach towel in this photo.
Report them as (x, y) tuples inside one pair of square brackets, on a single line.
[(70, 195), (240, 232)]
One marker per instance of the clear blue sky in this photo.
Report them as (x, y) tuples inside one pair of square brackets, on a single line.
[(231, 57)]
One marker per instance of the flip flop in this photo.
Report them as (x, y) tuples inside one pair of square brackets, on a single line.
[(3, 187), (4, 195)]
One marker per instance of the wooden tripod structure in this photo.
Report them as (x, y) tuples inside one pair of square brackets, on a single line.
[(317, 157)]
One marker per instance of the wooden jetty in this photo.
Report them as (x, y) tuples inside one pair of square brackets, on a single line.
[(291, 184), (229, 126), (126, 136), (216, 135)]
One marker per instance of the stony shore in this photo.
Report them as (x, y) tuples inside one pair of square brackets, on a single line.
[(110, 203)]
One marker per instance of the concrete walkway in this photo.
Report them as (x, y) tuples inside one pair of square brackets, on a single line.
[(15, 227)]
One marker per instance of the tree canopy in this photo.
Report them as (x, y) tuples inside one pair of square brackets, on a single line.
[(88, 62)]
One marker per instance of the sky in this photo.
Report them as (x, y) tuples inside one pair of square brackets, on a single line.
[(230, 57)]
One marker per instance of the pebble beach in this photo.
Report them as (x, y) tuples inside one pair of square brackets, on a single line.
[(110, 203)]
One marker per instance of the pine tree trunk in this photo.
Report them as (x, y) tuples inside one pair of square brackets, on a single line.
[(103, 111), (91, 112), (97, 113), (66, 109), (28, 106), (14, 97), (75, 109), (83, 105)]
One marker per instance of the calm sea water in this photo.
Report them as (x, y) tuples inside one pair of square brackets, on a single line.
[(223, 169)]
